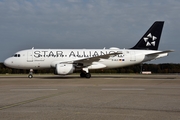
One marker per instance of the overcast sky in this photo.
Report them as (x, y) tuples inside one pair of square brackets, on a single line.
[(86, 24)]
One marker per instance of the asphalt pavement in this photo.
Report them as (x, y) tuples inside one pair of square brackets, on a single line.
[(102, 97)]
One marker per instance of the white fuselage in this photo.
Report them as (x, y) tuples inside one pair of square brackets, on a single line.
[(47, 58)]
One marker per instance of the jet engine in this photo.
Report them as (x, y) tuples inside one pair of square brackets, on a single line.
[(64, 69)]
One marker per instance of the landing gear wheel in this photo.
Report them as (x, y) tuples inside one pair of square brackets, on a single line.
[(85, 75), (30, 76), (88, 75), (30, 73), (82, 74)]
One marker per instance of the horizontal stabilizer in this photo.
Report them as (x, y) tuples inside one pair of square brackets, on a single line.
[(158, 53)]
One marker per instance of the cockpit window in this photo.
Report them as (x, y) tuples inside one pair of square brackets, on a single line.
[(17, 55)]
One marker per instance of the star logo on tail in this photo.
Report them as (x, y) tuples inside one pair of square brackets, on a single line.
[(150, 40)]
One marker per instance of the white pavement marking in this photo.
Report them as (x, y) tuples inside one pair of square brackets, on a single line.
[(32, 89), (138, 89)]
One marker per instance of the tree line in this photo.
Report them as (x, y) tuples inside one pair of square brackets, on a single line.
[(154, 68)]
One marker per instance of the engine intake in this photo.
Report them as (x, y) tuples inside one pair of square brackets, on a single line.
[(64, 69)]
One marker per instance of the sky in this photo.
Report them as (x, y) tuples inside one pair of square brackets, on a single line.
[(90, 24)]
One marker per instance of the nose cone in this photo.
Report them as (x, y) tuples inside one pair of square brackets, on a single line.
[(8, 62)]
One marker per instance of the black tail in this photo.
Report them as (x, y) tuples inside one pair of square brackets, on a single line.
[(151, 39)]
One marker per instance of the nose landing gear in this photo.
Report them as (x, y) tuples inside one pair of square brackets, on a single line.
[(30, 73)]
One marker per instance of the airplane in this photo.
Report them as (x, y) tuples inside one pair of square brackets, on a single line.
[(66, 61)]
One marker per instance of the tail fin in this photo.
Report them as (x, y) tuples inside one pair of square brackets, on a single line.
[(151, 39)]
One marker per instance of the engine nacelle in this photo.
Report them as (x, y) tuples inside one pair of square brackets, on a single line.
[(64, 69)]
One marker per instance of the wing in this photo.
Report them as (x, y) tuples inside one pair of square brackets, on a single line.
[(97, 58), (89, 60), (86, 61)]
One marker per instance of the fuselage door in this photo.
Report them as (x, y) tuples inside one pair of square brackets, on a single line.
[(132, 56), (30, 56)]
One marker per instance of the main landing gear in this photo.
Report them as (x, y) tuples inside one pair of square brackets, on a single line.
[(85, 73), (30, 73)]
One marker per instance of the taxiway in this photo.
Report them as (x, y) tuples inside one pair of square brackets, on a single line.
[(105, 97)]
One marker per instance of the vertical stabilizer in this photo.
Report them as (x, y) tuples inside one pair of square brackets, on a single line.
[(151, 39)]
